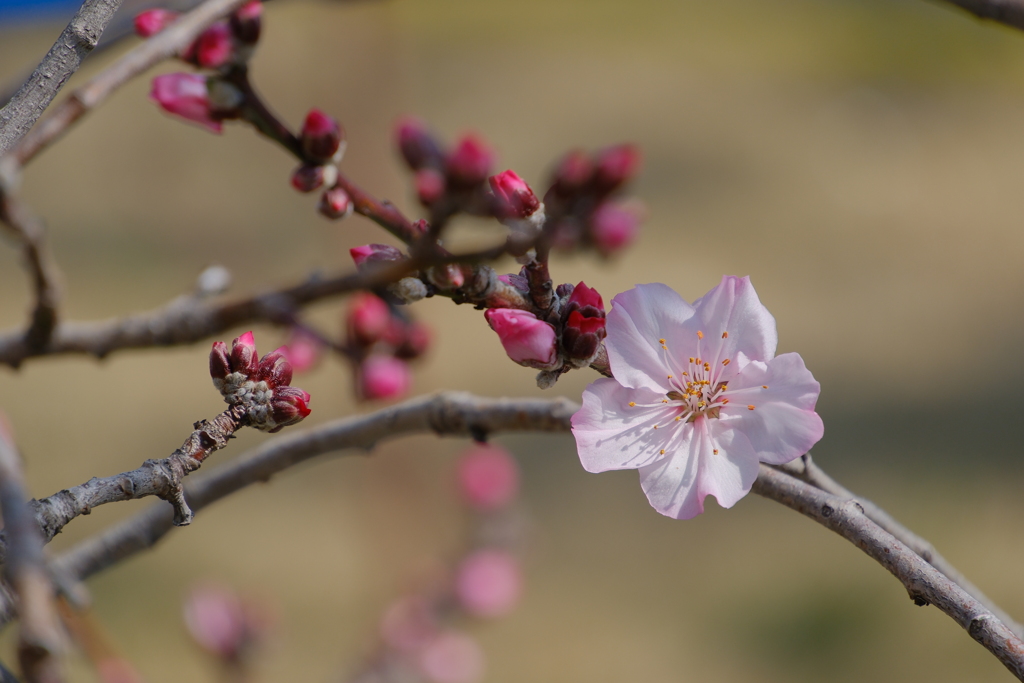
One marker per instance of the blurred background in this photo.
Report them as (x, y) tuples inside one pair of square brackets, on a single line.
[(861, 160)]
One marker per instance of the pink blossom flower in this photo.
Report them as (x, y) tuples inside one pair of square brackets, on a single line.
[(527, 340), (488, 583), (382, 377), (513, 198), (488, 477), (185, 96), (698, 397)]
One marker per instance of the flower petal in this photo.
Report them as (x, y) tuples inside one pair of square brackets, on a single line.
[(678, 485), (783, 425), (733, 307), (612, 435), (638, 319)]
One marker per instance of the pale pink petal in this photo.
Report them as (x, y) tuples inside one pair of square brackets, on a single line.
[(677, 486), (733, 307), (639, 318), (783, 425), (488, 583), (612, 435), (452, 657)]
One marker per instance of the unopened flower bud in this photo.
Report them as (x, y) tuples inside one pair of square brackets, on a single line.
[(307, 178), (303, 350), (488, 477), (616, 166), (447, 276), (214, 47), (335, 204), (288, 406), (186, 97), (368, 318), (408, 290), (415, 341), (243, 355), (246, 22), (321, 136), (215, 619), (574, 171), (429, 184), (583, 326), (613, 227), (451, 657), (220, 362), (383, 377), (417, 145), (513, 198), (527, 340), (489, 583), (470, 162), (152, 21), (370, 254), (275, 369)]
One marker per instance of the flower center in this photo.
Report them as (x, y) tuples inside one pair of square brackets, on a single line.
[(699, 388)]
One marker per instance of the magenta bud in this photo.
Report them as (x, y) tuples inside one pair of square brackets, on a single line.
[(335, 204), (321, 135), (583, 324), (368, 318), (613, 227), (415, 341), (527, 340), (573, 173), (289, 405), (513, 198), (186, 97), (451, 657), (471, 161), (383, 377), (303, 350), (308, 178), (246, 22), (488, 477), (616, 166), (489, 583), (275, 368), (152, 21), (583, 296), (214, 47), (370, 254), (417, 145), (220, 363), (429, 185), (448, 276), (243, 355)]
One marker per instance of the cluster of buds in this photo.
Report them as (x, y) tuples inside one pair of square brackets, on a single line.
[(418, 642), (259, 384), (323, 144), (381, 342), (581, 205), (447, 180), (569, 338), (196, 98), (225, 625)]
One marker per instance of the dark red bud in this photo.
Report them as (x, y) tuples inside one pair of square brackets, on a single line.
[(275, 368), (246, 22), (585, 296), (417, 145), (615, 166), (415, 343), (586, 325), (321, 136), (289, 405), (214, 47), (308, 178), (513, 198), (335, 203), (243, 355), (471, 161), (573, 173), (220, 363), (429, 185), (152, 21)]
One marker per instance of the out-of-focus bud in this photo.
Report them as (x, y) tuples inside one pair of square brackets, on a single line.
[(243, 355), (383, 377), (220, 362), (370, 254), (289, 405), (513, 198), (516, 281), (368, 318), (452, 657), (488, 583), (615, 166), (216, 621), (421, 226), (415, 341), (408, 624), (573, 173), (321, 136), (302, 349), (527, 340), (186, 97), (308, 178), (275, 368), (417, 145), (583, 326), (247, 22), (408, 290), (488, 477), (214, 47), (114, 669), (613, 227), (470, 162), (429, 185), (152, 21), (447, 276), (335, 204)]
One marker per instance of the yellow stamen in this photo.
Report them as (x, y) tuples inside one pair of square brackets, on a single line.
[(726, 361), (725, 335), (764, 386), (661, 341), (750, 407), (715, 451), (632, 404), (663, 451), (700, 335)]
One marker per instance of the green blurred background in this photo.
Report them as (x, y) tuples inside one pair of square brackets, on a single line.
[(861, 160)]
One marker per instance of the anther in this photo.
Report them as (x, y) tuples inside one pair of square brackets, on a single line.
[(691, 360), (715, 451), (725, 335), (678, 418), (670, 376), (764, 386), (661, 341), (664, 400), (632, 404), (656, 426), (750, 407), (700, 335), (663, 451), (726, 361), (724, 401)]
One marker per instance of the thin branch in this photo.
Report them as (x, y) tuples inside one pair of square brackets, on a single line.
[(925, 584), (807, 470), (64, 58), (452, 414), (164, 45), (41, 640), (1009, 12)]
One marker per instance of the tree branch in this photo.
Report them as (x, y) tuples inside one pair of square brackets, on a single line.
[(1008, 12), (64, 58), (925, 584)]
